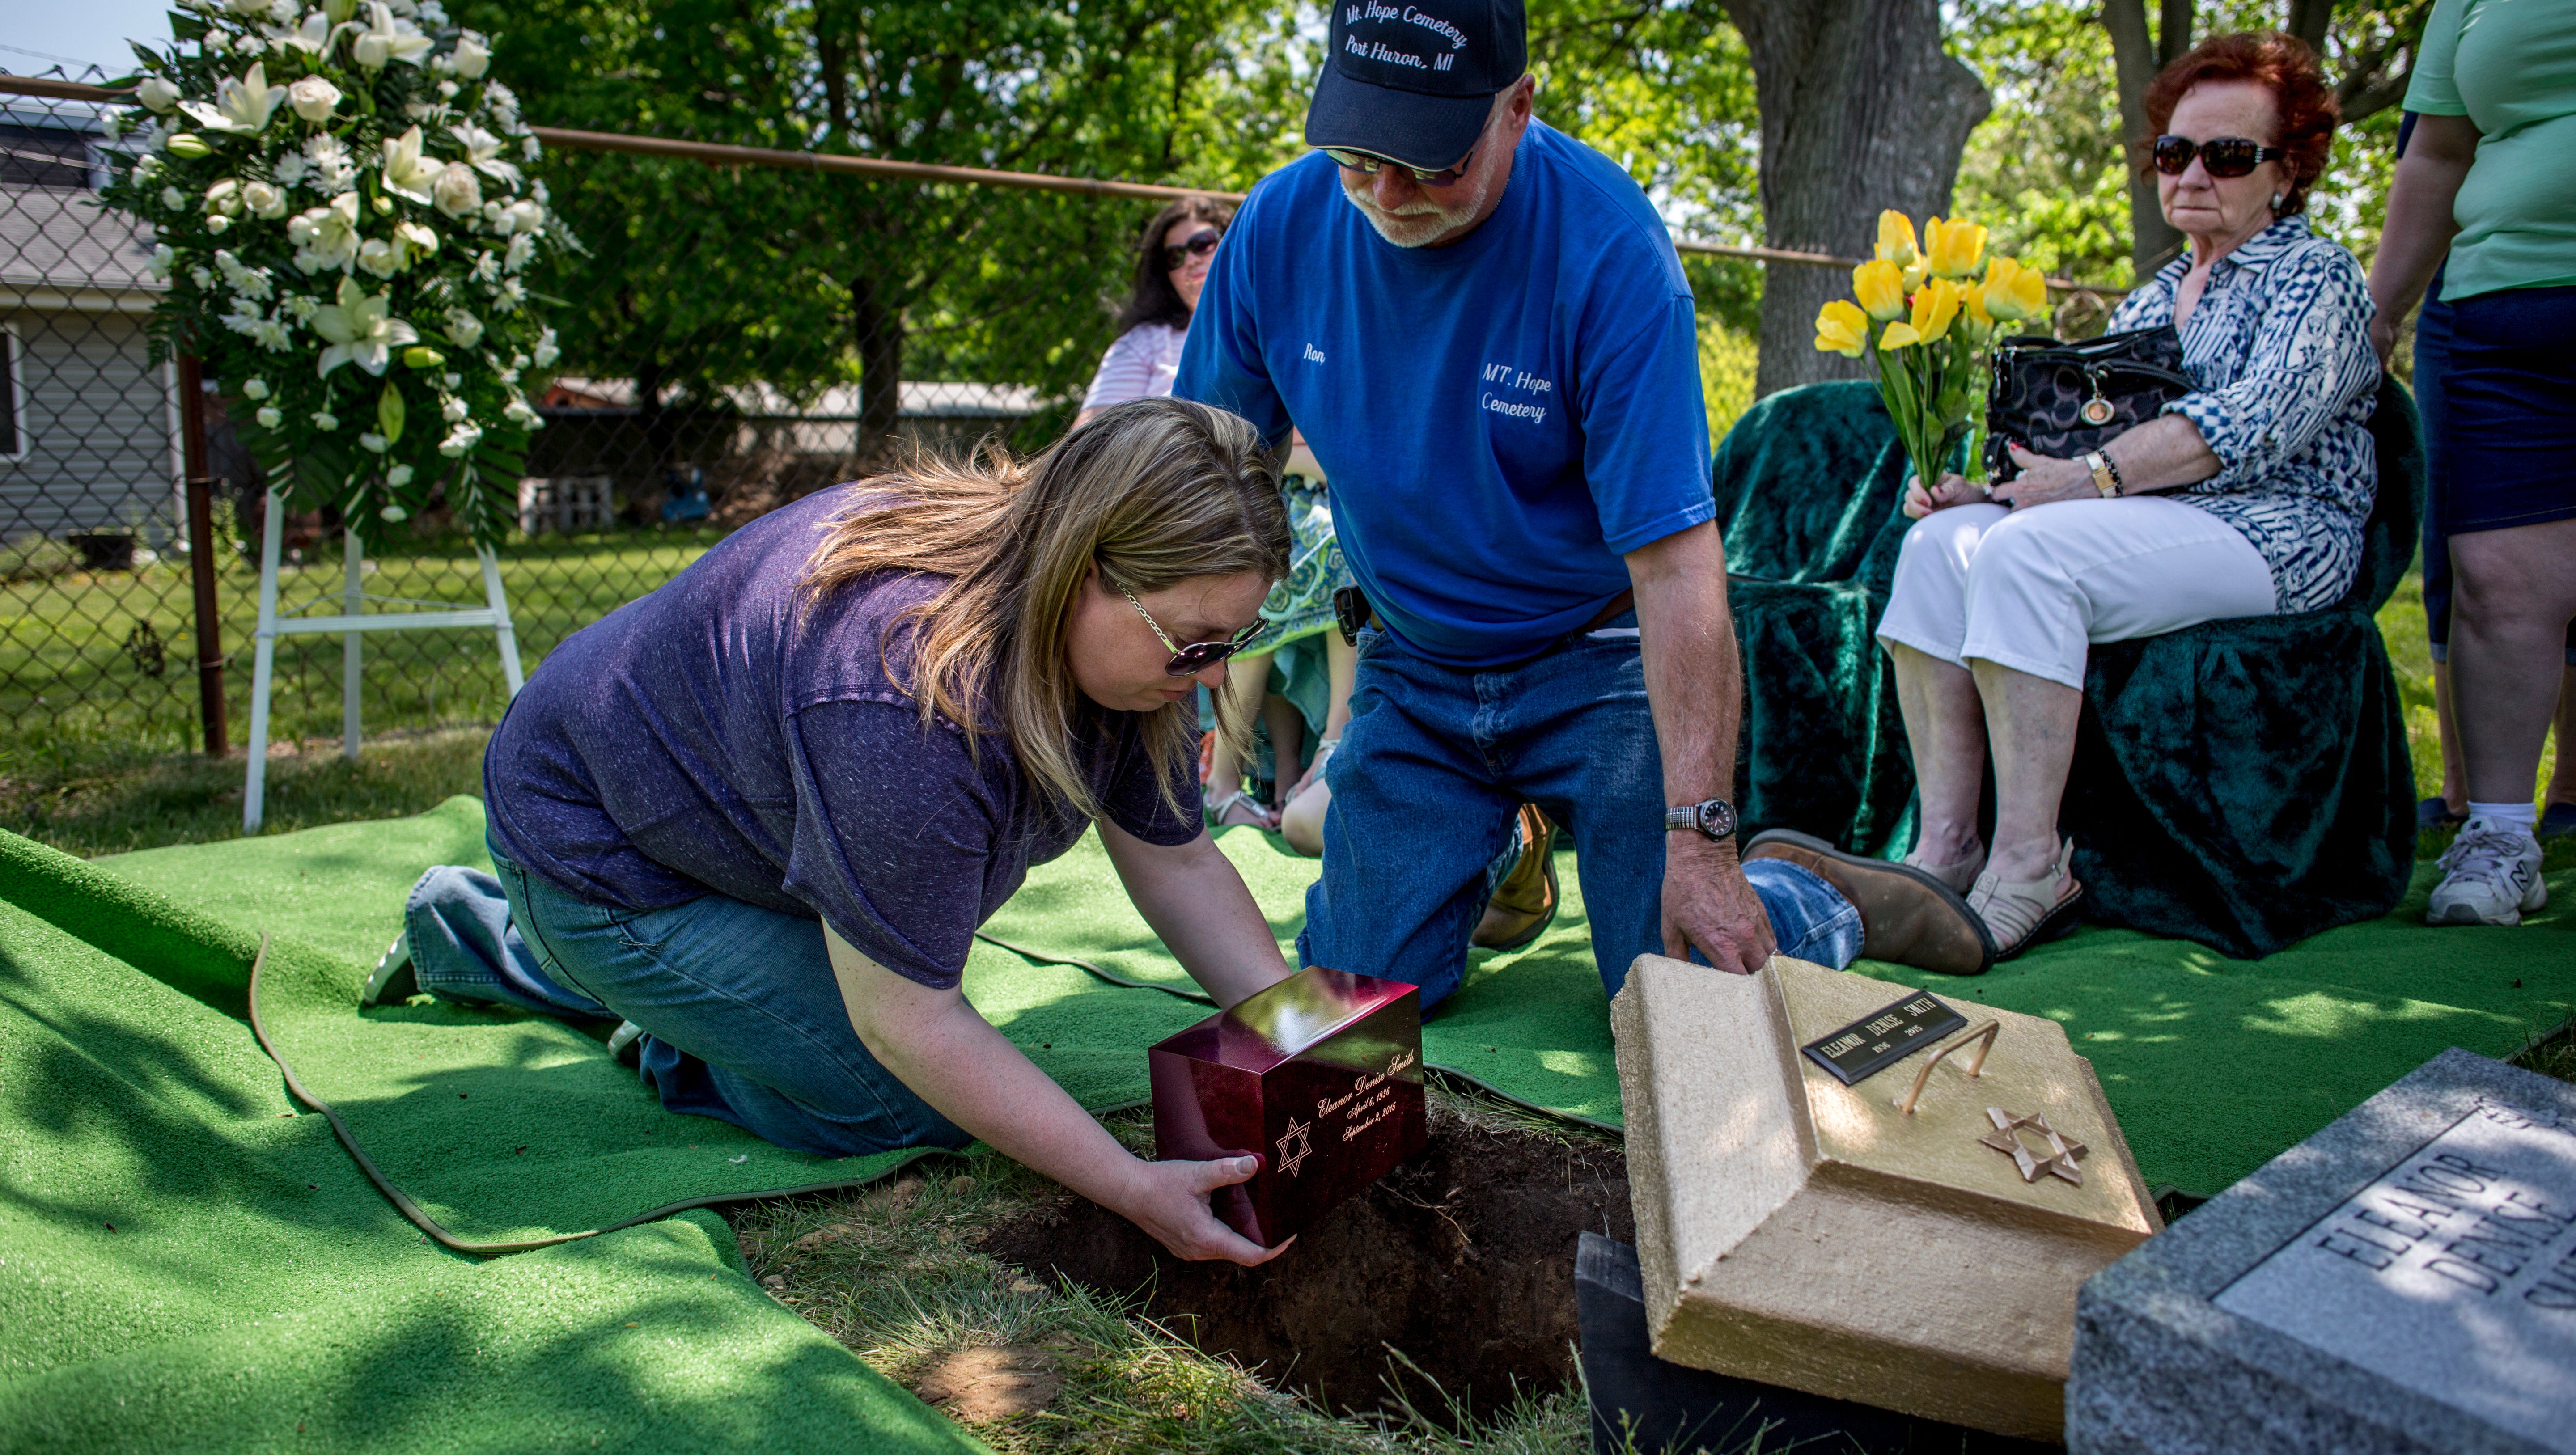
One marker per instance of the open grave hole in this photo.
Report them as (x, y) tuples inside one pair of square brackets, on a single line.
[(1462, 1258)]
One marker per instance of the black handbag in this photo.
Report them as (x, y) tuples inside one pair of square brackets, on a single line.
[(2064, 399)]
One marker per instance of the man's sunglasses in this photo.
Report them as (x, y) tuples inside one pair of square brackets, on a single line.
[(1370, 162), (1199, 245), (2225, 156), (1197, 657)]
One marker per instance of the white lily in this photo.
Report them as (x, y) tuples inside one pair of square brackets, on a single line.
[(483, 152), (360, 330), (326, 236), (241, 107), (313, 98), (388, 38), (312, 36), (407, 172), (157, 95)]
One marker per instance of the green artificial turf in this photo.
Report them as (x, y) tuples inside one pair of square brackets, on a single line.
[(188, 1260), (2214, 1066)]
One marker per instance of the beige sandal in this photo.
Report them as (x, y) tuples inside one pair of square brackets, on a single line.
[(1960, 876), (2025, 912)]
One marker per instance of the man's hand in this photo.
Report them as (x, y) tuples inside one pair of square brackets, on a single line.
[(2383, 337), (1710, 907), (1169, 1200)]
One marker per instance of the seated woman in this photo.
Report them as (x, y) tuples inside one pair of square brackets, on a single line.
[(2245, 497), (760, 812)]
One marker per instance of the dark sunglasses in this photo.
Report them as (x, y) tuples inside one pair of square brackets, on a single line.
[(2225, 156), (1197, 657), (1370, 162), (1199, 245)]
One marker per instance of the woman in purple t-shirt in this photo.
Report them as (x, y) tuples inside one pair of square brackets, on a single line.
[(758, 814)]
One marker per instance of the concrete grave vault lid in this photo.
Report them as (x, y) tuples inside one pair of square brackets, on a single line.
[(1806, 1233)]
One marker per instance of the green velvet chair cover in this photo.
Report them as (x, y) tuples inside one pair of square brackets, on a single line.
[(2242, 783)]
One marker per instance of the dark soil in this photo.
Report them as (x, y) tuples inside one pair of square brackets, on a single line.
[(1463, 1258)]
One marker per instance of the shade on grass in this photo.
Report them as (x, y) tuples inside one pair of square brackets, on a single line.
[(188, 1263)]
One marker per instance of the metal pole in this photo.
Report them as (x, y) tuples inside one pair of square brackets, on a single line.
[(505, 636), (352, 601), (263, 659), (201, 557)]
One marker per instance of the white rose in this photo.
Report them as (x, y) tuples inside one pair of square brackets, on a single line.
[(460, 441), (374, 441), (325, 420), (263, 200), (254, 389), (520, 414), (163, 259), (157, 95), (218, 223), (173, 197), (270, 417), (472, 58), (454, 410), (456, 191), (380, 257), (395, 514), (547, 351), (463, 329), (313, 98), (397, 477)]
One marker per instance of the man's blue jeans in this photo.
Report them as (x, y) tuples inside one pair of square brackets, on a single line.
[(1429, 779), (742, 1016)]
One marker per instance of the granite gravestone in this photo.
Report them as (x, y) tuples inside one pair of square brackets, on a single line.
[(1319, 1076), (2404, 1280)]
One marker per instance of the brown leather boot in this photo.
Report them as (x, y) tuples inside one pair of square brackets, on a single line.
[(1907, 917), (1524, 904)]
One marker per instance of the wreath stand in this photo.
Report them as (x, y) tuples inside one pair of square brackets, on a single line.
[(352, 624)]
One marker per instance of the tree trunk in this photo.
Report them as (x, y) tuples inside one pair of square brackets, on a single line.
[(880, 338), (2138, 57), (1861, 110)]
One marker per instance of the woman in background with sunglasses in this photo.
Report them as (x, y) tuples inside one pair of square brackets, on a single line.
[(1315, 665), (2246, 497), (759, 813)]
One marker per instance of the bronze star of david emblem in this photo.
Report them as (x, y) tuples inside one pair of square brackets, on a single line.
[(1288, 1160), (2063, 1151)]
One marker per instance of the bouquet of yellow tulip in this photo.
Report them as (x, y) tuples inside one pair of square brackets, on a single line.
[(1925, 319)]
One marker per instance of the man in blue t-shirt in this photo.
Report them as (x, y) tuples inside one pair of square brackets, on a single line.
[(1483, 331)]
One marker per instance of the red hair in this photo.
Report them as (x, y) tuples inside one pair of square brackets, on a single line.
[(2281, 63)]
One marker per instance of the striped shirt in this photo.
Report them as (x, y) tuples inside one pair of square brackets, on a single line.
[(1139, 366)]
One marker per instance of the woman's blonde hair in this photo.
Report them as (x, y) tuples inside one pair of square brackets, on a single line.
[(1153, 492)]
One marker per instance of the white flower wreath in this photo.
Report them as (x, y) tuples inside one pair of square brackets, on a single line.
[(348, 237)]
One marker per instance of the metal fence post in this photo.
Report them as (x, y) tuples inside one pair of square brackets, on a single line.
[(201, 557)]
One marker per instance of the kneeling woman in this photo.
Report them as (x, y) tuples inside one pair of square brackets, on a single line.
[(760, 812)]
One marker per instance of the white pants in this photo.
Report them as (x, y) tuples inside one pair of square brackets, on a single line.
[(2031, 589)]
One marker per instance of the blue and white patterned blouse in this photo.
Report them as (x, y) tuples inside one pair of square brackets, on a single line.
[(2280, 346)]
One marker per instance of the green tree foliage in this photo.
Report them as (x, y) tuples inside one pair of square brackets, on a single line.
[(715, 278)]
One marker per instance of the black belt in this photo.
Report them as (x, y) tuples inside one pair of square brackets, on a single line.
[(1351, 612)]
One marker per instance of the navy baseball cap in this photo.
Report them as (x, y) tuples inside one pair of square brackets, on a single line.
[(1415, 81)]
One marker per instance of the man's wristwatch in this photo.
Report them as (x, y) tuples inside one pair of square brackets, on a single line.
[(1715, 818)]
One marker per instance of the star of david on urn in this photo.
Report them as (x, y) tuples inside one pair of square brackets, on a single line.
[(1319, 1076)]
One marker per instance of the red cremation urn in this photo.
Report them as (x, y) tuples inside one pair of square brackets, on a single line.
[(1320, 1076)]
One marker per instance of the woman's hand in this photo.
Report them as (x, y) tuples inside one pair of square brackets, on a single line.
[(1953, 490), (2043, 480), (1170, 1202)]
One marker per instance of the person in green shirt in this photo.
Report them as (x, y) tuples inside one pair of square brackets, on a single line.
[(2490, 180)]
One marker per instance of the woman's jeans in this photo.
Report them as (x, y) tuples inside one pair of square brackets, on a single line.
[(1427, 787), (742, 1017)]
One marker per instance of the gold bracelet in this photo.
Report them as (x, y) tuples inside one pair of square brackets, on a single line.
[(2106, 476)]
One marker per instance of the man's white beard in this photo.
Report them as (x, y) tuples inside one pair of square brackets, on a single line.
[(1420, 223)]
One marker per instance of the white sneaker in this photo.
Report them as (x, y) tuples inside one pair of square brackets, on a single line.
[(2490, 876)]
